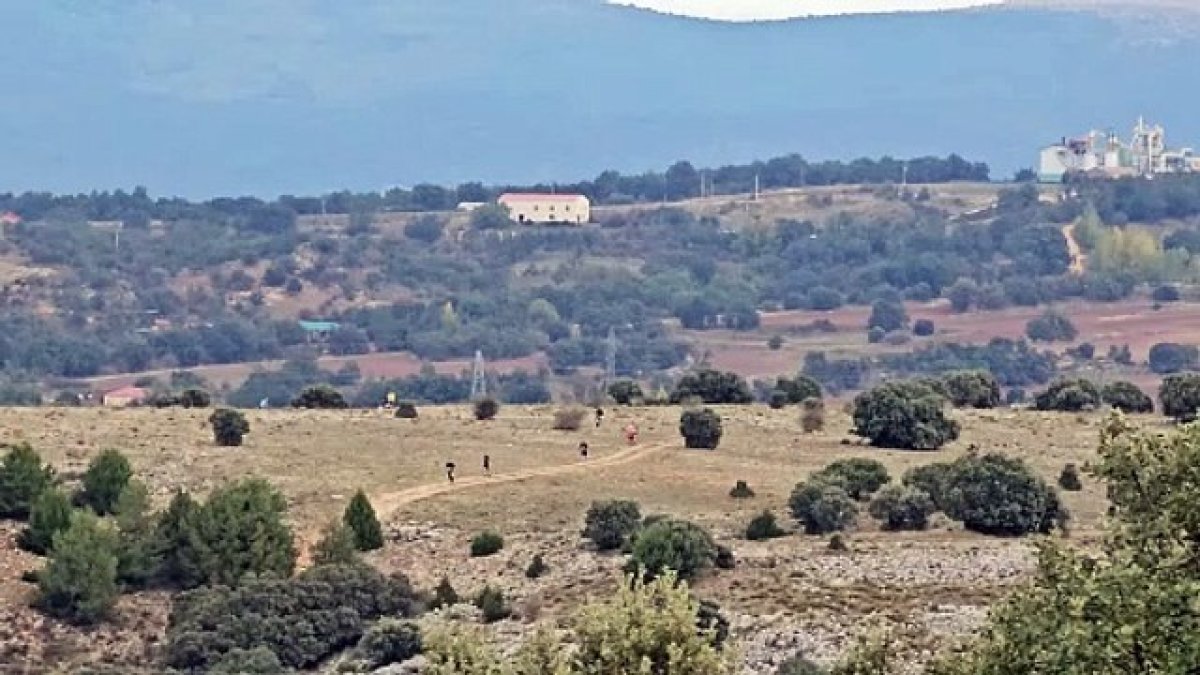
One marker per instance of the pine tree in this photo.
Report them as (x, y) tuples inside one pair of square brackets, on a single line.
[(79, 583), (360, 518), (139, 555), (50, 514), (337, 546), (22, 479), (104, 480), (241, 530), (177, 541)]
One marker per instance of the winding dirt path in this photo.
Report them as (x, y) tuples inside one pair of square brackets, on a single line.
[(1078, 257), (388, 503)]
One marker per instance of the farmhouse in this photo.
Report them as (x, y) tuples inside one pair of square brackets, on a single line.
[(124, 397), (547, 208)]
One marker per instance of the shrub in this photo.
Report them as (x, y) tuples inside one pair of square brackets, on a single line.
[(486, 543), (625, 392), (741, 490), (859, 477), (229, 426), (426, 229), (837, 543), (337, 546), (50, 514), (701, 429), (1180, 396), (823, 299), (444, 594), (763, 526), (906, 415), (962, 294), (712, 387), (1068, 396), (256, 661), (139, 550), (1126, 397), (177, 534), (875, 335), (492, 604), (822, 508), (609, 524), (775, 343), (723, 559), (923, 328), (569, 420), (677, 545), (812, 415), (887, 315), (1165, 293), (777, 399), (1084, 351), (932, 479), (486, 409), (79, 584), (1169, 357), (537, 567), (390, 641), (997, 495), (1051, 326), (240, 530), (302, 620), (321, 396), (972, 389), (103, 481), (1069, 479), (799, 388), (798, 665), (902, 508), (360, 518), (406, 410), (22, 478), (195, 398)]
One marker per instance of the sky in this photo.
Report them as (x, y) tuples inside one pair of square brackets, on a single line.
[(775, 10)]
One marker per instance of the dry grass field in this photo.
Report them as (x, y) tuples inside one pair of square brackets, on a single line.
[(784, 595)]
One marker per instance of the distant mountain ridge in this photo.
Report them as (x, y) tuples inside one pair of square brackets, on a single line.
[(301, 96)]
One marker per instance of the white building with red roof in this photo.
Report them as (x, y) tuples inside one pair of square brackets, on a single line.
[(547, 208)]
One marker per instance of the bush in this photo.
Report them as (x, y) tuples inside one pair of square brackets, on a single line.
[(537, 567), (139, 550), (763, 526), (1126, 397), (775, 343), (823, 299), (229, 426), (1000, 496), (492, 604), (486, 409), (812, 415), (195, 398), (902, 508), (337, 546), (390, 641), (713, 388), (103, 481), (962, 294), (569, 420), (741, 490), (444, 594), (677, 545), (1051, 327), (426, 229), (723, 559), (701, 429), (1069, 479), (240, 530), (837, 543), (22, 478), (1180, 396), (176, 533), (79, 584), (406, 410), (799, 388), (777, 399), (625, 392), (875, 335), (609, 524), (360, 518), (486, 543), (859, 477), (972, 389), (798, 665), (933, 480), (321, 396), (302, 620), (822, 508), (1068, 396), (256, 661), (923, 328), (905, 415), (887, 315), (1169, 357), (50, 514), (1165, 293)]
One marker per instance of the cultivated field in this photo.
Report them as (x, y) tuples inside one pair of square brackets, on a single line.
[(784, 595)]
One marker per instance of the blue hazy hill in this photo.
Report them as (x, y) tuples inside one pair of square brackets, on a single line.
[(300, 96)]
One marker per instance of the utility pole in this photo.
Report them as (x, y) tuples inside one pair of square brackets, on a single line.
[(478, 377), (755, 187)]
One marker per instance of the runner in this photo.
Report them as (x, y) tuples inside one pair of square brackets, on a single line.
[(583, 449), (599, 416), (487, 465), (450, 471), (631, 433)]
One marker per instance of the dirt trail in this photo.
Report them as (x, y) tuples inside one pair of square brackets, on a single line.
[(388, 503), (1078, 257)]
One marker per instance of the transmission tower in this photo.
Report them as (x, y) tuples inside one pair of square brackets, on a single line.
[(478, 377)]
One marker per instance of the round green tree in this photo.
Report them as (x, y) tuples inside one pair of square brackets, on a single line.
[(104, 479), (360, 518), (904, 415), (701, 429)]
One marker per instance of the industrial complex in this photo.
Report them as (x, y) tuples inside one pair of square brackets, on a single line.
[(1105, 153)]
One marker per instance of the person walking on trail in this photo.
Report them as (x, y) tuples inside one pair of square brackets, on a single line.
[(631, 433), (450, 471), (487, 465), (599, 416), (583, 449)]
